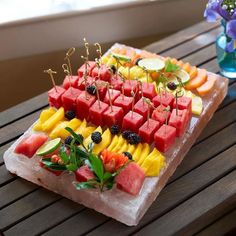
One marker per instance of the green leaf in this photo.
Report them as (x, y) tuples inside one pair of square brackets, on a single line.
[(63, 155), (110, 185), (84, 185), (170, 67), (81, 153), (107, 176), (71, 167), (90, 147), (75, 136), (53, 166), (97, 166)]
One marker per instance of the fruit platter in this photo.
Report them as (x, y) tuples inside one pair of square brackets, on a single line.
[(116, 130)]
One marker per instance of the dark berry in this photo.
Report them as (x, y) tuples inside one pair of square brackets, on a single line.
[(126, 134), (134, 138), (137, 61), (70, 115), (128, 155), (96, 137), (68, 140), (113, 68), (115, 129), (91, 89), (172, 86)]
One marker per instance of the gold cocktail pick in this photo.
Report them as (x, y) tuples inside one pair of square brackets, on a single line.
[(51, 72), (66, 70), (99, 51), (69, 53)]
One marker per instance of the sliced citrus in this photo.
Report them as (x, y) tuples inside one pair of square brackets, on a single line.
[(49, 147)]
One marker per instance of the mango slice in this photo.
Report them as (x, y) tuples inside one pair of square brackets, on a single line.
[(137, 152), (119, 144), (124, 147), (87, 131), (81, 127), (88, 140), (55, 133), (131, 149), (144, 154), (73, 124), (113, 143), (106, 140)]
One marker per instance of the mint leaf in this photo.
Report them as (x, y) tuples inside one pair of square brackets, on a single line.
[(107, 176), (63, 155), (71, 167), (97, 166), (83, 185), (53, 166), (170, 67)]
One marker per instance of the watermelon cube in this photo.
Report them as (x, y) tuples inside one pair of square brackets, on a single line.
[(163, 98), (124, 102), (96, 113), (142, 108), (165, 137), (116, 82), (184, 103), (160, 114), (129, 86), (114, 116), (148, 129), (179, 121), (81, 70), (130, 179), (70, 81), (81, 82), (83, 174), (69, 97), (105, 74), (102, 89), (113, 93), (29, 145), (149, 90), (132, 121), (54, 96), (83, 103)]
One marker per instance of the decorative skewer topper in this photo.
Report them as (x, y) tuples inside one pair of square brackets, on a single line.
[(148, 102), (51, 72), (69, 53), (66, 70), (109, 95), (99, 52)]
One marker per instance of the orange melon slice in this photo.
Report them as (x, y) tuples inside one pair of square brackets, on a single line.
[(207, 86), (187, 67), (198, 80), (193, 72)]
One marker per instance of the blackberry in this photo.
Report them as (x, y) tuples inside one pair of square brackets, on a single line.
[(134, 138), (68, 140), (115, 129), (70, 115), (113, 68), (137, 61), (126, 134), (171, 86), (91, 89), (128, 155), (96, 137)]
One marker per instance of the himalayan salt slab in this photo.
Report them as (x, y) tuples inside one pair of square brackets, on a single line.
[(115, 203)]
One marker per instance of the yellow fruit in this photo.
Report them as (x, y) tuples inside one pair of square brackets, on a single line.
[(187, 67), (105, 59), (111, 61), (131, 149), (120, 142), (87, 131), (124, 71), (137, 152), (154, 168), (88, 140), (113, 143), (73, 124), (81, 127), (49, 124), (193, 72), (147, 162), (55, 133), (124, 147), (137, 72), (106, 140), (144, 154), (197, 105)]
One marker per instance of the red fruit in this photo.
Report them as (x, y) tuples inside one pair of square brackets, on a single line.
[(114, 116), (179, 121), (81, 70), (124, 102), (149, 90), (83, 103), (105, 74), (148, 129), (29, 145), (84, 174), (184, 103), (57, 173), (54, 96), (129, 86), (96, 113), (165, 138), (70, 81), (116, 82), (102, 89), (81, 82), (160, 114), (130, 179), (164, 98), (113, 93), (132, 121), (69, 98), (141, 107)]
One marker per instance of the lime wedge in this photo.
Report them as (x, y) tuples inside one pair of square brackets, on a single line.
[(183, 75), (49, 147), (152, 64), (121, 57)]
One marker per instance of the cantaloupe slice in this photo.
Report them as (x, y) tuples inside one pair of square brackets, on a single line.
[(180, 63), (174, 61), (193, 72), (186, 67), (207, 86), (197, 81)]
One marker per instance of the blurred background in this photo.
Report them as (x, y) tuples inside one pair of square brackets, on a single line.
[(35, 35)]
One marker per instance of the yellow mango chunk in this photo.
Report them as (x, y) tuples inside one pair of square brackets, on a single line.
[(124, 71), (124, 148), (49, 124), (87, 131), (137, 72), (106, 140), (82, 126), (104, 59), (147, 161), (113, 143), (120, 143), (111, 61), (88, 140), (73, 124), (131, 149), (197, 104), (55, 133), (137, 153), (144, 154)]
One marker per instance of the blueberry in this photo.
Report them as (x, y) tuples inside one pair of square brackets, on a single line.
[(172, 86)]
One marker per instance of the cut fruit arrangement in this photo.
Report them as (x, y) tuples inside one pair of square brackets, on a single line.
[(116, 131)]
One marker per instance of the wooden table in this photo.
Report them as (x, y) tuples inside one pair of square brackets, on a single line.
[(200, 198)]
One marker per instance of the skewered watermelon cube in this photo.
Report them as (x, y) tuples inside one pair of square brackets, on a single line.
[(81, 70), (114, 116), (148, 129), (161, 114), (142, 107), (96, 113), (29, 145), (130, 179), (83, 103), (84, 174), (102, 89), (69, 98), (81, 82), (184, 103), (129, 86), (149, 90), (116, 82), (179, 121), (132, 121), (165, 137), (70, 81), (124, 102), (105, 74), (54, 96), (113, 93), (163, 98)]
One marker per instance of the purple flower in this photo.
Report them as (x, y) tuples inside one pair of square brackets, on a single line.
[(231, 29)]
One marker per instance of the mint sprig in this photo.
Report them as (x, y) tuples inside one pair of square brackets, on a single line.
[(170, 67)]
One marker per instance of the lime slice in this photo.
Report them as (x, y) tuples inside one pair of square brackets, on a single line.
[(121, 57), (49, 147), (183, 75), (152, 64)]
